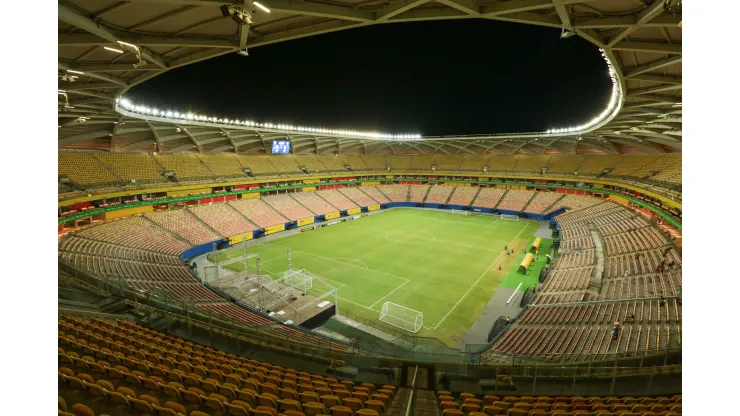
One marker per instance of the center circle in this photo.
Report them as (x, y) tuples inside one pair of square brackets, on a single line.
[(410, 236)]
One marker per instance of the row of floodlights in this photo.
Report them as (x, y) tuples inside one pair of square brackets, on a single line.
[(614, 101), (141, 109)]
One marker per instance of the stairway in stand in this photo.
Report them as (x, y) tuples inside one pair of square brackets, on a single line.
[(426, 404), (399, 403)]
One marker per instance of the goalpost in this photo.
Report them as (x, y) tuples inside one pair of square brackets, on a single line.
[(509, 217), (458, 212), (402, 317)]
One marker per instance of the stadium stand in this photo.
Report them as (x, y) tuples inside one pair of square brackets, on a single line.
[(375, 194), (395, 193), (542, 201), (355, 162), (400, 163), (224, 219), (565, 164), (135, 232), (503, 404), (259, 165), (473, 163), (374, 162), (463, 195), (258, 212), (357, 196), (595, 165), (515, 200), (422, 163), (185, 224), (635, 166), (417, 193), (184, 166), (311, 162), (84, 169), (502, 163), (288, 207), (337, 199), (574, 202), (448, 163), (129, 166), (530, 164), (222, 165), (284, 164), (155, 373), (438, 194), (315, 203), (333, 163), (488, 197)]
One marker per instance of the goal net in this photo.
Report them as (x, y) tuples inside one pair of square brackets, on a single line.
[(402, 317), (459, 212), (509, 217)]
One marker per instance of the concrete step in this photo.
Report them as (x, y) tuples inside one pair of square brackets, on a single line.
[(399, 403), (426, 404)]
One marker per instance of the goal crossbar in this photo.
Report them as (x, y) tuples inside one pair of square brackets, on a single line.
[(509, 217)]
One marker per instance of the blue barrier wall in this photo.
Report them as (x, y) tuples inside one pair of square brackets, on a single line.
[(401, 204), (198, 250), (433, 205), (457, 207), (482, 209), (508, 212)]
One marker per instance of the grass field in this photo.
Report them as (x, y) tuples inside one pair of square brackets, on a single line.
[(441, 264)]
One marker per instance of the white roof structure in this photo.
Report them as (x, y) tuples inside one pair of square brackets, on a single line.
[(108, 46)]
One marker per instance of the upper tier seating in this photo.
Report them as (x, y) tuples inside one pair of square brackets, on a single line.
[(463, 195), (288, 206), (438, 194), (374, 162), (399, 163), (595, 165), (259, 165), (417, 193), (565, 164), (224, 219), (574, 202), (184, 166), (396, 193), (473, 163), (258, 212), (448, 163), (337, 199), (129, 166), (311, 162), (354, 161), (315, 203), (184, 224), (542, 201), (515, 200), (285, 164), (422, 163), (488, 197), (357, 196), (375, 194), (223, 165), (135, 232), (332, 163), (530, 164), (84, 169), (502, 163)]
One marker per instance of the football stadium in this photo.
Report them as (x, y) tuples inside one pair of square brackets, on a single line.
[(214, 265)]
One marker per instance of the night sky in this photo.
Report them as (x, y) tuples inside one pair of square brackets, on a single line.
[(431, 78)]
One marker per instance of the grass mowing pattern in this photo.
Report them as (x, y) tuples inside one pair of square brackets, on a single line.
[(441, 264)]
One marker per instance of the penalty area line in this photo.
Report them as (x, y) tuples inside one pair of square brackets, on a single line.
[(391, 292)]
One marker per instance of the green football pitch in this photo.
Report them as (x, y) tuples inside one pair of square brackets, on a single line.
[(443, 265)]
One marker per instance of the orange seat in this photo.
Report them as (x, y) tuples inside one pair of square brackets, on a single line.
[(81, 410), (352, 403), (367, 412), (341, 411), (452, 412), (314, 408), (376, 405)]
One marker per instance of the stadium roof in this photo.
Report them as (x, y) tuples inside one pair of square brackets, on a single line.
[(109, 46)]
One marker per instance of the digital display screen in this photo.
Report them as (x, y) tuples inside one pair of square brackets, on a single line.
[(280, 147)]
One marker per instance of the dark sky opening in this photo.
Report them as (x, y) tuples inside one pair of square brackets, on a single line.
[(431, 78)]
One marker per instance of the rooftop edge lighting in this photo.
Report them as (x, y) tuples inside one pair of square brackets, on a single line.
[(261, 6), (615, 103), (128, 105), (112, 49)]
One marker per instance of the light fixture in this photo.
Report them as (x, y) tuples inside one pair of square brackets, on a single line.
[(261, 7), (128, 44), (75, 72), (112, 49)]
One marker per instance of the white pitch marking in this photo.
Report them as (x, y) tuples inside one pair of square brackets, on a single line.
[(351, 265), (476, 282), (399, 286), (355, 303)]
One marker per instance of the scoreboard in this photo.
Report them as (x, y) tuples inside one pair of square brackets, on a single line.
[(280, 147)]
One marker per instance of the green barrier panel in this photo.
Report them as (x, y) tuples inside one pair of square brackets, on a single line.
[(90, 213)]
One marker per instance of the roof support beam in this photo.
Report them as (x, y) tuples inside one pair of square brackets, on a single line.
[(138, 145), (466, 6), (659, 98), (221, 149), (641, 69), (643, 17), (660, 47), (71, 17), (563, 13), (396, 8), (652, 90), (86, 39), (101, 77), (657, 78), (320, 10)]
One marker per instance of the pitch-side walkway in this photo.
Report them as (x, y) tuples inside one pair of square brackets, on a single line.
[(478, 333)]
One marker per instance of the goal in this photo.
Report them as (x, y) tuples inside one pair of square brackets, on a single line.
[(402, 317), (509, 217), (459, 212)]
